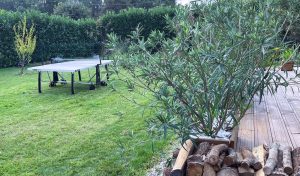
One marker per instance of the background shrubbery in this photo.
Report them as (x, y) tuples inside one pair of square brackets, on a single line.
[(56, 36), (125, 21), (61, 36)]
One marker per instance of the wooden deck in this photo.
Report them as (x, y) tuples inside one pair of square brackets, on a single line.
[(275, 119)]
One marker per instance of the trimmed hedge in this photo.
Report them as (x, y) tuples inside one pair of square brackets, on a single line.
[(125, 21), (56, 36), (61, 36)]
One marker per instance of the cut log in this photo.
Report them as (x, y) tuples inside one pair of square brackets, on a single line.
[(272, 159), (195, 165), (287, 160), (195, 168), (260, 153), (181, 158), (218, 166), (246, 172), (278, 172), (203, 148), (279, 158), (208, 170), (175, 153), (249, 159), (212, 140), (231, 158), (296, 161), (228, 171), (167, 171), (214, 153)]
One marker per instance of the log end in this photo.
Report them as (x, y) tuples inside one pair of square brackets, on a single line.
[(288, 170)]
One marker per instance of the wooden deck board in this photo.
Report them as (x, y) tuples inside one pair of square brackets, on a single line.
[(275, 119)]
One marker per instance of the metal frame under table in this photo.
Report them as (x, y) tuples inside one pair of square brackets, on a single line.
[(72, 67)]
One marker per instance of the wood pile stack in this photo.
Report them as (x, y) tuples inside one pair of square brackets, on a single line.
[(206, 159)]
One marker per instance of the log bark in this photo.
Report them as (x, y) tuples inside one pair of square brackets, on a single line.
[(195, 165), (228, 171), (249, 159), (296, 161), (272, 159), (231, 158), (260, 153), (208, 170), (214, 153), (246, 172), (287, 160), (203, 148), (181, 158)]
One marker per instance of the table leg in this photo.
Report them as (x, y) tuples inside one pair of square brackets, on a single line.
[(72, 83), (55, 77), (98, 79), (40, 82), (79, 75), (107, 75)]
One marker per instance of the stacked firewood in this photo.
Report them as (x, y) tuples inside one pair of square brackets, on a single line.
[(207, 159), (282, 161)]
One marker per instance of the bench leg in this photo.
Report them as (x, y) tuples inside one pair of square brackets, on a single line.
[(40, 82), (72, 83)]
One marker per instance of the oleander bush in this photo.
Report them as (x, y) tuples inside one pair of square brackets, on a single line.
[(204, 79), (56, 36)]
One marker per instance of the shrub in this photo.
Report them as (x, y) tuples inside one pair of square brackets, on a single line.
[(25, 42), (125, 21), (204, 79), (56, 36), (73, 9)]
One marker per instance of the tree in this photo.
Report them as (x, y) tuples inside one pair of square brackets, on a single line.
[(73, 9), (204, 79), (25, 42)]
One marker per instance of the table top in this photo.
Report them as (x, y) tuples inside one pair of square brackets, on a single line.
[(71, 66)]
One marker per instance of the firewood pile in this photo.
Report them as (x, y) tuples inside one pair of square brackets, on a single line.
[(207, 159)]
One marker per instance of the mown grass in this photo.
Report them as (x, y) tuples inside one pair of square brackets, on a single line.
[(55, 133)]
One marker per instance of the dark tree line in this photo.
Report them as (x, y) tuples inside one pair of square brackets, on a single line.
[(79, 8)]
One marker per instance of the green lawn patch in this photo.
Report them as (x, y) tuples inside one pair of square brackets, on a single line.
[(94, 132)]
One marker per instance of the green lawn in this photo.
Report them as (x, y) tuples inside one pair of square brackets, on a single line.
[(55, 133)]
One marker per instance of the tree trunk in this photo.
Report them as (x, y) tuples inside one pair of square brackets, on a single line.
[(214, 153), (272, 159), (228, 171)]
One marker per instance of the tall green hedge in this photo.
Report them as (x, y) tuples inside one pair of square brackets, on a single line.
[(56, 36), (60, 36), (125, 21)]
